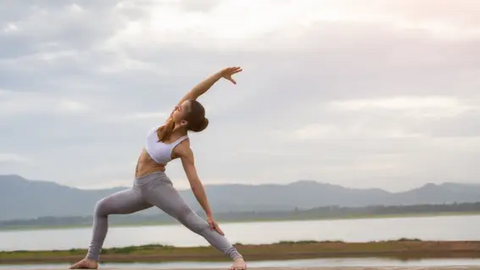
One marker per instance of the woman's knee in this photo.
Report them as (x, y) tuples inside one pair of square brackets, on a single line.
[(101, 208)]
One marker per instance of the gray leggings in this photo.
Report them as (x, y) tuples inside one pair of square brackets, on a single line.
[(152, 190)]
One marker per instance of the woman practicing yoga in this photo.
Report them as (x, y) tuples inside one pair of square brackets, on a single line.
[(152, 187)]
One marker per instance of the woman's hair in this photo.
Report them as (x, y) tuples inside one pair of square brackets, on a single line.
[(195, 117)]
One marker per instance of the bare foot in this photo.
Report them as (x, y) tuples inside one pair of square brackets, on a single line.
[(239, 264), (85, 264)]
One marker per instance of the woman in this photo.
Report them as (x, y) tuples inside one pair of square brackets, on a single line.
[(152, 187)]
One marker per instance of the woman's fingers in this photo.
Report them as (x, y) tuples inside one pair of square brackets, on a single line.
[(212, 226), (218, 229)]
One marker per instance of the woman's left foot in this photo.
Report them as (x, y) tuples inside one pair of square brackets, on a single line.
[(85, 264), (239, 264)]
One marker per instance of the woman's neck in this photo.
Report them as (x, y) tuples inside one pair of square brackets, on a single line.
[(179, 132)]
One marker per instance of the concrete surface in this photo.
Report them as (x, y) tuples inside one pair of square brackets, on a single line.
[(309, 268)]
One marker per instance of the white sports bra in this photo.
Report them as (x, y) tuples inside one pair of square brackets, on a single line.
[(160, 152)]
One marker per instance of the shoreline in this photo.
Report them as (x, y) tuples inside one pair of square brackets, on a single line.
[(402, 249), (220, 221)]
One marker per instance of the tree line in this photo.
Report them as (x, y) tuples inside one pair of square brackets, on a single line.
[(324, 212)]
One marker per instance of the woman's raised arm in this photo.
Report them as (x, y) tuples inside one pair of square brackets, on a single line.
[(203, 86)]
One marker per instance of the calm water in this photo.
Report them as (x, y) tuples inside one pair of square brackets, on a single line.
[(344, 262), (425, 228)]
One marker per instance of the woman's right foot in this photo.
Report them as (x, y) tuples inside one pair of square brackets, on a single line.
[(85, 264), (239, 264)]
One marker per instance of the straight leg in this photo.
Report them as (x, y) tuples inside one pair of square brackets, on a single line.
[(164, 196)]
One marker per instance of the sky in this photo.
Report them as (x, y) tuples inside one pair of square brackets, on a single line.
[(356, 93)]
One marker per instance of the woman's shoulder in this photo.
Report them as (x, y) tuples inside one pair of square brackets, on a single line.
[(183, 148)]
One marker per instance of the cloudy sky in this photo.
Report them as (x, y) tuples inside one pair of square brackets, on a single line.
[(356, 93)]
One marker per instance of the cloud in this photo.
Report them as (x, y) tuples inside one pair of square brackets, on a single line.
[(10, 27), (157, 115), (314, 131), (426, 106), (11, 157), (21, 103), (285, 26), (364, 94)]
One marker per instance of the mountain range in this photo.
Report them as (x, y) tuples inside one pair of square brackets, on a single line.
[(21, 198)]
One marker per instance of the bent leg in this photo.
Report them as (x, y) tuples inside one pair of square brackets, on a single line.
[(122, 202), (166, 197)]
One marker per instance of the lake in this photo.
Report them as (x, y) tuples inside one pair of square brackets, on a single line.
[(351, 230), (340, 262)]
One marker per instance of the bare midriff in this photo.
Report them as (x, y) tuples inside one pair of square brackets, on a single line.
[(146, 165)]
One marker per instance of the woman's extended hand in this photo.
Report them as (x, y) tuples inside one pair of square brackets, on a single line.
[(228, 72), (214, 226)]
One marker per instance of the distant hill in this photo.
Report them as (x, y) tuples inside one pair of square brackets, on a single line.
[(24, 199)]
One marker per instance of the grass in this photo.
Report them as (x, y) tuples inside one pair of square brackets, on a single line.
[(163, 223), (401, 249)]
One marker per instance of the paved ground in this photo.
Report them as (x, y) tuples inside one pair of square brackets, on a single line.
[(315, 268)]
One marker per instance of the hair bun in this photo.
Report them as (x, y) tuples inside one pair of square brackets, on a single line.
[(205, 123)]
